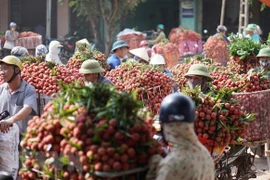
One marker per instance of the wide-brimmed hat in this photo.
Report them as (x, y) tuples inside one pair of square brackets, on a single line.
[(118, 44), (250, 28), (198, 70), (265, 52), (141, 53), (157, 59), (91, 66)]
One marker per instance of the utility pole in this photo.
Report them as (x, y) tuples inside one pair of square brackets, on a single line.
[(48, 18), (222, 12)]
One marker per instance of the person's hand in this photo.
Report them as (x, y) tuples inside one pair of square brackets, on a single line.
[(5, 125)]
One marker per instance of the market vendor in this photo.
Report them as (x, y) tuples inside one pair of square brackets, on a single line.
[(250, 34), (198, 75), (54, 50), (19, 51), (145, 44), (140, 55), (255, 32), (188, 158), (15, 87), (221, 31), (41, 50), (91, 71), (161, 35), (82, 45), (119, 52), (158, 61), (10, 36), (19, 99), (264, 60)]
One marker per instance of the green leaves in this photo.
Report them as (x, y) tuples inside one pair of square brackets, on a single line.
[(243, 47), (102, 100)]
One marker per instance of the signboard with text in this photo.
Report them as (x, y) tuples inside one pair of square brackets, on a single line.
[(187, 9)]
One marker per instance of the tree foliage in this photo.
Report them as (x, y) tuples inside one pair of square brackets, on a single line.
[(111, 12)]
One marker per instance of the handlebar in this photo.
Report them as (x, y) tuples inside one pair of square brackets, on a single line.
[(4, 115)]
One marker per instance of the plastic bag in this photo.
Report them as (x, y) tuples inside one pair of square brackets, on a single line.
[(9, 152)]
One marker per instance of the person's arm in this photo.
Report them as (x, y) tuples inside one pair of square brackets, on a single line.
[(7, 36), (29, 106), (15, 34), (21, 115)]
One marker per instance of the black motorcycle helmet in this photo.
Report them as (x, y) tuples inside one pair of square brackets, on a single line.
[(177, 107)]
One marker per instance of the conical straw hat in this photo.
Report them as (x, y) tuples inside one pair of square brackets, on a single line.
[(141, 53)]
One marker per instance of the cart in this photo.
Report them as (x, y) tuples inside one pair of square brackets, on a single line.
[(237, 163), (30, 43)]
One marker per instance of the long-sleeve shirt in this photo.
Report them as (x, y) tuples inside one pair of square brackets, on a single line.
[(113, 61), (161, 36)]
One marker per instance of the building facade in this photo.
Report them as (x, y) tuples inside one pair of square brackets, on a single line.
[(193, 14), (30, 13)]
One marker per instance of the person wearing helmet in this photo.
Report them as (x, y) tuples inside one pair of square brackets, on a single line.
[(10, 36), (198, 75), (19, 99), (15, 88), (54, 50), (221, 31), (188, 158), (119, 52), (91, 71), (140, 55), (158, 61), (264, 60), (161, 35), (20, 52)]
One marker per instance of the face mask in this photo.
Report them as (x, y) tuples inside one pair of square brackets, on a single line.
[(265, 63), (194, 82)]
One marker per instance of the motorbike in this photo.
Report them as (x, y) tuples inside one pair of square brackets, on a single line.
[(69, 44), (4, 175)]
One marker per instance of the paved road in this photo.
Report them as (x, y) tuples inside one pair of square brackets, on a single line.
[(261, 169)]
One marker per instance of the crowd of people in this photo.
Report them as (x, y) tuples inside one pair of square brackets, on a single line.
[(188, 158)]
